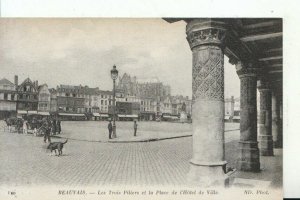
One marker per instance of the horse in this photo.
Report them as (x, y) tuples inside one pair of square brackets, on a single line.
[(14, 122)]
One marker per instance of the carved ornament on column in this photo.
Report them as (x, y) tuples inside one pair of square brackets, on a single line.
[(265, 99), (208, 62), (208, 74), (244, 71), (207, 36)]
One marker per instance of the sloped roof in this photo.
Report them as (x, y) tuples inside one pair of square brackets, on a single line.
[(4, 81)]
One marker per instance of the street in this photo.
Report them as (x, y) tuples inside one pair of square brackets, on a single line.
[(25, 160)]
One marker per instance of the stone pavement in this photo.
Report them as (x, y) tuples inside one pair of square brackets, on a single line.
[(25, 161), (96, 131)]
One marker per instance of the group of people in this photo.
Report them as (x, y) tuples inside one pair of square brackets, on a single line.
[(110, 129), (44, 126), (50, 127)]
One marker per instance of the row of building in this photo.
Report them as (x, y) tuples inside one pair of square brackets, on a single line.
[(145, 101)]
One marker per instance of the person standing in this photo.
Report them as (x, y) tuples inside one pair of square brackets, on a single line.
[(47, 129), (54, 127), (110, 129), (58, 126), (135, 127), (25, 128), (34, 126)]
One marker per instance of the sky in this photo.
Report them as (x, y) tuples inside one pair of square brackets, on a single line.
[(83, 51)]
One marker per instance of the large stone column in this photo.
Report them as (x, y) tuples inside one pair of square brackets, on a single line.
[(205, 37), (280, 123), (277, 138), (265, 119), (248, 159)]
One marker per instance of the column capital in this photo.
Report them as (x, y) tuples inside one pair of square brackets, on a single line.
[(246, 69), (263, 84), (205, 32)]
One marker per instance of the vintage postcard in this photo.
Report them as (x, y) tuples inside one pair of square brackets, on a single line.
[(141, 108)]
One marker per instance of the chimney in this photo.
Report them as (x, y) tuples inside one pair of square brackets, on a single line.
[(16, 81)]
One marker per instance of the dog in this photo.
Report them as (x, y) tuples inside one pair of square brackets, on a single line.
[(57, 145)]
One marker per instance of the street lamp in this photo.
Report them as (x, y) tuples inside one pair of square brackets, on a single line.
[(114, 76)]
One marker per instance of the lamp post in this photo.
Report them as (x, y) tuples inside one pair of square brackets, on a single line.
[(114, 76)]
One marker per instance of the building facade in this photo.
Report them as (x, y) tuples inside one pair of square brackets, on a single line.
[(44, 98), (132, 87), (53, 100), (8, 99), (105, 100), (232, 109), (27, 95), (70, 99)]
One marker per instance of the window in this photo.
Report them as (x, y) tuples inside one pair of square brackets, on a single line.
[(105, 102), (12, 97), (5, 96), (67, 94), (101, 102), (74, 95)]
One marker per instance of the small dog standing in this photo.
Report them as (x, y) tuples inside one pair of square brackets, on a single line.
[(57, 145)]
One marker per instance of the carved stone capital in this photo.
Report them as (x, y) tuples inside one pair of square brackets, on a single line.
[(263, 85), (244, 70), (205, 32)]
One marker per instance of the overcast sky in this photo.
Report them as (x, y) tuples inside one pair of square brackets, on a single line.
[(83, 51)]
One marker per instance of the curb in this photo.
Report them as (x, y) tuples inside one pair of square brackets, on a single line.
[(123, 141), (147, 140)]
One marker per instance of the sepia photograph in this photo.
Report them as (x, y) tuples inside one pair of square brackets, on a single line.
[(144, 103)]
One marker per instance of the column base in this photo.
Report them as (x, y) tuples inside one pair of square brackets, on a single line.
[(207, 175), (266, 145), (249, 156)]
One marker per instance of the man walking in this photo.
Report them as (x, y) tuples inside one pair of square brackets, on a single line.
[(110, 129), (135, 127), (58, 126), (47, 128)]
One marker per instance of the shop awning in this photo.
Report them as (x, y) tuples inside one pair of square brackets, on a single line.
[(227, 117), (71, 114), (96, 114), (22, 112), (30, 112), (103, 115), (129, 116), (171, 117), (44, 113), (236, 117)]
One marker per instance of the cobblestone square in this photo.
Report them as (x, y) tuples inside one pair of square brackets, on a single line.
[(25, 160)]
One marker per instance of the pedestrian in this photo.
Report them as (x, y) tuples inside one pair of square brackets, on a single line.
[(47, 128), (135, 127), (34, 126), (58, 126), (25, 127), (54, 127), (110, 129)]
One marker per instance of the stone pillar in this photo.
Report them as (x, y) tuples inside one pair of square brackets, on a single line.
[(248, 159), (208, 164), (265, 120), (276, 120)]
